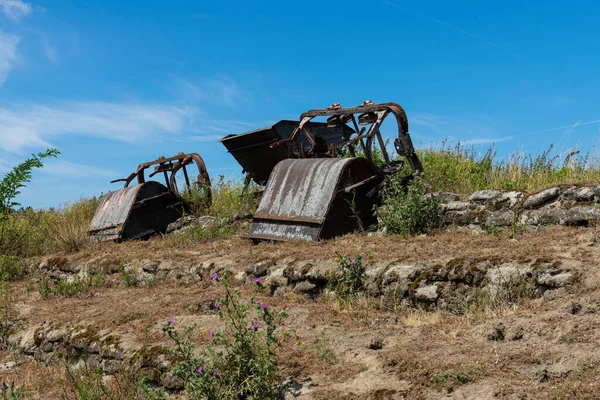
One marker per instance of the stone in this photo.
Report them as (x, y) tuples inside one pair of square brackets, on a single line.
[(496, 332), (400, 273), (500, 218), (455, 206), (513, 198), (180, 223), (545, 216), (56, 335), (515, 333), (484, 196), (580, 215), (260, 268), (427, 293), (555, 280), (276, 278), (443, 197), (541, 198), (582, 194), (150, 267), (304, 287)]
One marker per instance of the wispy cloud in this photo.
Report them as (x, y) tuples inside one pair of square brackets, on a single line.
[(67, 169), (8, 54), (33, 125), (216, 90), (15, 9), (453, 27)]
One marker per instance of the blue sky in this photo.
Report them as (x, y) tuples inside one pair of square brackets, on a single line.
[(114, 83)]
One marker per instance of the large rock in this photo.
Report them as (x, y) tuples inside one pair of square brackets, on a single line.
[(428, 293), (580, 215), (455, 206), (556, 280), (541, 198), (484, 196), (582, 194)]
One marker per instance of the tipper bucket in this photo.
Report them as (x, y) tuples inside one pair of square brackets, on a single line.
[(314, 199), (135, 212), (149, 207), (254, 153)]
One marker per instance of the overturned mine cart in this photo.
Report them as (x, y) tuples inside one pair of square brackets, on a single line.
[(322, 178), (148, 207)]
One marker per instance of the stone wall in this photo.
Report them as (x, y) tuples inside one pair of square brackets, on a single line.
[(562, 205)]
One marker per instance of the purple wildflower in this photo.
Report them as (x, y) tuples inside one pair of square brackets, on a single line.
[(161, 345), (200, 369), (212, 333), (214, 374), (263, 306), (217, 306), (256, 326), (246, 301), (427, 186), (169, 321), (352, 263), (214, 277), (256, 280), (345, 270), (170, 376)]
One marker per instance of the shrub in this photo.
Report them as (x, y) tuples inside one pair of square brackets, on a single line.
[(240, 362), (11, 268), (350, 281), (230, 198), (409, 209), (68, 225), (10, 185)]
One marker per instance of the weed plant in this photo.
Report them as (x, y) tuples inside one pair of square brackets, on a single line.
[(409, 209), (240, 361)]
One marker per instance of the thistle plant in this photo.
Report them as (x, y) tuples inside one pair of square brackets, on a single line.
[(240, 361), (411, 209), (350, 281)]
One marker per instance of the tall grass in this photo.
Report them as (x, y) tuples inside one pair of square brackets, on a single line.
[(460, 169)]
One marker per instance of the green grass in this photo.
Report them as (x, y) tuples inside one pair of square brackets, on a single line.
[(463, 170)]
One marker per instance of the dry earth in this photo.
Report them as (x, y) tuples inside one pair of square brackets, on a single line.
[(541, 348)]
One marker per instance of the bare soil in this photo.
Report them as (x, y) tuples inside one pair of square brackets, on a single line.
[(549, 347)]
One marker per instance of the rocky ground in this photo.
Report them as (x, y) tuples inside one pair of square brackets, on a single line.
[(459, 314)]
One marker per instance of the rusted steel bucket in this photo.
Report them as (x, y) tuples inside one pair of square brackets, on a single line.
[(314, 199), (135, 212), (254, 153)]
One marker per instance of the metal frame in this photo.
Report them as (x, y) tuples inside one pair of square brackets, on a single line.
[(370, 114), (166, 165)]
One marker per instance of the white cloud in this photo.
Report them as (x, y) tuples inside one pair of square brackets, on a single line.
[(73, 170), (15, 9), (33, 125), (8, 54)]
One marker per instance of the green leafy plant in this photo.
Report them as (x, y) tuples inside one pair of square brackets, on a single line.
[(240, 361), (325, 352), (409, 209), (11, 268), (350, 281), (10, 391), (10, 188)]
